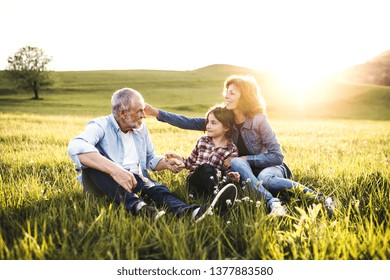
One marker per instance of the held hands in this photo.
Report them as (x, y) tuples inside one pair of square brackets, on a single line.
[(174, 162)]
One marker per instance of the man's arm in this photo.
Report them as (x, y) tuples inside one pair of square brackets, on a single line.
[(96, 161)]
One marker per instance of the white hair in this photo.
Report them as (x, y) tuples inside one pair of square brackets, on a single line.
[(123, 99)]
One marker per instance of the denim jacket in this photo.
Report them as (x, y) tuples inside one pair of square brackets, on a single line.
[(102, 135), (257, 134)]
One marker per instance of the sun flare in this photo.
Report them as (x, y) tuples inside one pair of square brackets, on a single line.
[(298, 84)]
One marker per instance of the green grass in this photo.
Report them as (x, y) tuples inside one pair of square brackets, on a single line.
[(45, 215)]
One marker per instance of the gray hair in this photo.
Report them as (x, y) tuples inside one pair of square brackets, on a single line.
[(123, 99)]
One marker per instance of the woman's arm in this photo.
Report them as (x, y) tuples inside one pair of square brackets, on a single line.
[(175, 119)]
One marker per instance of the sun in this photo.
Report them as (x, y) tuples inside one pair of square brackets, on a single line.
[(298, 85)]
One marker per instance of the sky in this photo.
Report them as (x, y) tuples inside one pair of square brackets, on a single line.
[(296, 38)]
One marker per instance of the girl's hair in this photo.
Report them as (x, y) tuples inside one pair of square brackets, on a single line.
[(225, 116), (251, 102)]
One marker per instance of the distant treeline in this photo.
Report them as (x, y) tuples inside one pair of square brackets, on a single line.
[(375, 71)]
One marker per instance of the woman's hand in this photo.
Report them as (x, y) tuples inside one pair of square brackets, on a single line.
[(150, 110)]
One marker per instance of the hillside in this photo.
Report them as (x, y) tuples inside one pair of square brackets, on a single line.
[(375, 71), (193, 92), (325, 99)]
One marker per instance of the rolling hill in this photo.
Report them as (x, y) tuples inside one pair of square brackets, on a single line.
[(193, 92), (375, 71)]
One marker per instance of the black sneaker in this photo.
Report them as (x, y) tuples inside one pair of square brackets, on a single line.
[(150, 212), (220, 203)]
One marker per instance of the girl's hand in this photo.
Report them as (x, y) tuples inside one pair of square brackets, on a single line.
[(234, 176), (171, 155), (227, 163)]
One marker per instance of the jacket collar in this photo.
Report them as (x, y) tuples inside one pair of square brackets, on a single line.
[(248, 123)]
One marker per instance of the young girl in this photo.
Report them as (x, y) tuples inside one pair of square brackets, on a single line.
[(206, 159)]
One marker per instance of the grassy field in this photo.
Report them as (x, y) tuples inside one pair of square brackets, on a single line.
[(45, 215)]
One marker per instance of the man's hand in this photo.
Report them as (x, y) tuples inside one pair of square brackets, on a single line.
[(125, 179)]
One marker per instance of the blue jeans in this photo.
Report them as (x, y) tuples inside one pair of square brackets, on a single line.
[(101, 183), (272, 178)]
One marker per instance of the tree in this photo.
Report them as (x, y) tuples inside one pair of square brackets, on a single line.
[(27, 70)]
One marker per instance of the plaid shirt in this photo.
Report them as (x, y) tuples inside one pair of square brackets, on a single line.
[(206, 152)]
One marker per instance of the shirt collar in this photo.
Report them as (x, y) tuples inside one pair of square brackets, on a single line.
[(228, 145), (114, 123)]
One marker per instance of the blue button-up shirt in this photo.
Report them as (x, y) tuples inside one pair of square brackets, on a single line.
[(102, 135)]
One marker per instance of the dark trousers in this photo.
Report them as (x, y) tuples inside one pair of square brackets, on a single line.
[(99, 182), (203, 180)]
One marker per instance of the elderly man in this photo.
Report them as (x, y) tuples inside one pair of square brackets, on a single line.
[(114, 153)]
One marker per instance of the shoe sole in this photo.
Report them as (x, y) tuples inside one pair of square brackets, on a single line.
[(159, 215), (219, 202), (330, 207), (278, 213)]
